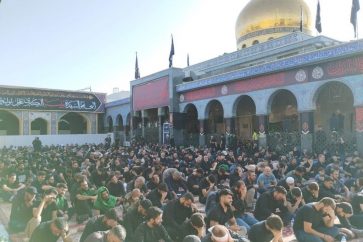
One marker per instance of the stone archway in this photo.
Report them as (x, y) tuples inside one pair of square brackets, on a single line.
[(215, 118), (72, 123), (245, 117), (9, 123), (192, 123), (39, 126), (109, 124), (283, 116), (119, 123), (334, 108)]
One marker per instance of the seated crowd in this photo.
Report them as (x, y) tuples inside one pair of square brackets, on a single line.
[(150, 193)]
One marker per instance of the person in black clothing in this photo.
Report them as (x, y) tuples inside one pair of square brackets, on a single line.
[(321, 163), (193, 226), (315, 221), (344, 212), (134, 217), (288, 183), (357, 204), (84, 199), (47, 207), (327, 190), (107, 142), (294, 199), (206, 186), (235, 176), (99, 177), (116, 187), (37, 144), (154, 182), (311, 192), (297, 175), (321, 140), (176, 184), (22, 173), (267, 230), (273, 202), (10, 187), (50, 231), (194, 180), (205, 164), (176, 212), (159, 195), (22, 209), (100, 223), (251, 184), (240, 204), (152, 230), (213, 143), (139, 183), (222, 213), (39, 184)]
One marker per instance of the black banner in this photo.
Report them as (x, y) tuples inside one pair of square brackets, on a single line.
[(49, 100)]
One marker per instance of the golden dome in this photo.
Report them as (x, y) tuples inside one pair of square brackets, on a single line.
[(262, 20)]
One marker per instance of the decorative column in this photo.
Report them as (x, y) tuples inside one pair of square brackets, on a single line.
[(132, 125), (143, 122), (161, 113), (262, 126), (359, 128), (26, 123), (307, 130), (202, 135)]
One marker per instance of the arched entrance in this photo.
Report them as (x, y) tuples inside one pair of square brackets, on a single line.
[(110, 124), (334, 108), (39, 126), (335, 115), (246, 120), (283, 115), (119, 123), (151, 125), (215, 120), (9, 123), (72, 123), (191, 125)]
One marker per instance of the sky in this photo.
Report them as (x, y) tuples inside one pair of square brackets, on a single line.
[(76, 44)]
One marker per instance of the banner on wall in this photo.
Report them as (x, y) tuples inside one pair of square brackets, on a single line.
[(39, 99), (152, 94)]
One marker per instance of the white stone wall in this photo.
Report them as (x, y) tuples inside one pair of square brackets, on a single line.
[(26, 140)]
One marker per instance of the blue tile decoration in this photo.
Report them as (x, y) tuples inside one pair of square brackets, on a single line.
[(343, 50)]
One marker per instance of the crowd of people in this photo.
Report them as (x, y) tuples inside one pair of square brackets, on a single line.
[(151, 193)]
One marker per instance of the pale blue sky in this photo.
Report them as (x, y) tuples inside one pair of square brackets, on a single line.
[(73, 44)]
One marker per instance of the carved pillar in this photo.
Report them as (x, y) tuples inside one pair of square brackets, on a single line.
[(26, 123)]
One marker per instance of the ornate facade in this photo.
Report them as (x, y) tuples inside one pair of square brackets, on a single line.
[(34, 111)]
